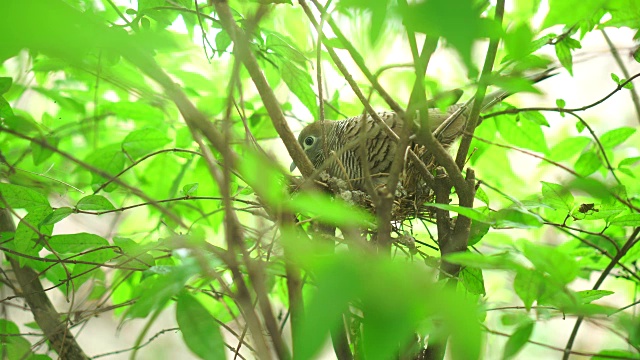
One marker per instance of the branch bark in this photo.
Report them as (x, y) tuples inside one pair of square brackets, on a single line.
[(40, 306)]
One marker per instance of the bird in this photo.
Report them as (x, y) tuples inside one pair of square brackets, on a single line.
[(333, 145)]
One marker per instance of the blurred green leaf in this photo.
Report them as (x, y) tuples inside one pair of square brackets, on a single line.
[(41, 153), (330, 210), (518, 40), (627, 220), (518, 340), (472, 214), (559, 265), (588, 163), (109, 159), (522, 132), (155, 292), (200, 330), (615, 137), (144, 141), (588, 296), (516, 218), (570, 12), (5, 84), (5, 108), (615, 354), (568, 147), (528, 285), (459, 22)]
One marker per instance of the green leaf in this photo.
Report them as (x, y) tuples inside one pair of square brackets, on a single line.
[(472, 214), (518, 340), (563, 52), (559, 265), (477, 232), (632, 161), (190, 189), (627, 220), (588, 163), (557, 196), (300, 84), (5, 108), (57, 215), (200, 330), (570, 12), (5, 84), (615, 78), (142, 142), (615, 137), (75, 243), (469, 259), (222, 40), (528, 285), (522, 132), (94, 203), (568, 148), (20, 197), (473, 280), (459, 22), (27, 238), (331, 210), (518, 40), (588, 296), (513, 84), (109, 159), (156, 291), (506, 218), (41, 153), (138, 110), (615, 354)]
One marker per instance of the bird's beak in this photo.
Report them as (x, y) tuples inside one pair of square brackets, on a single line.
[(292, 167)]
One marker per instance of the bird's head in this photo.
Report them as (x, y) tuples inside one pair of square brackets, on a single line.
[(312, 141)]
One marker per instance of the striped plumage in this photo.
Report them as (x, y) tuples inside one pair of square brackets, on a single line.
[(342, 141)]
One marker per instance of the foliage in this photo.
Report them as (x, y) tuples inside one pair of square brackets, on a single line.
[(157, 120)]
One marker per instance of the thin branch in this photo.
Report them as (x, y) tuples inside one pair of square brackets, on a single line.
[(625, 72), (625, 248), (41, 307)]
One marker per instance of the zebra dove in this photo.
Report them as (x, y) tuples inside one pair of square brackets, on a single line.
[(333, 145), (342, 141)]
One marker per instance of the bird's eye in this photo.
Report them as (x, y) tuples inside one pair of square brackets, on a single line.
[(308, 141)]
